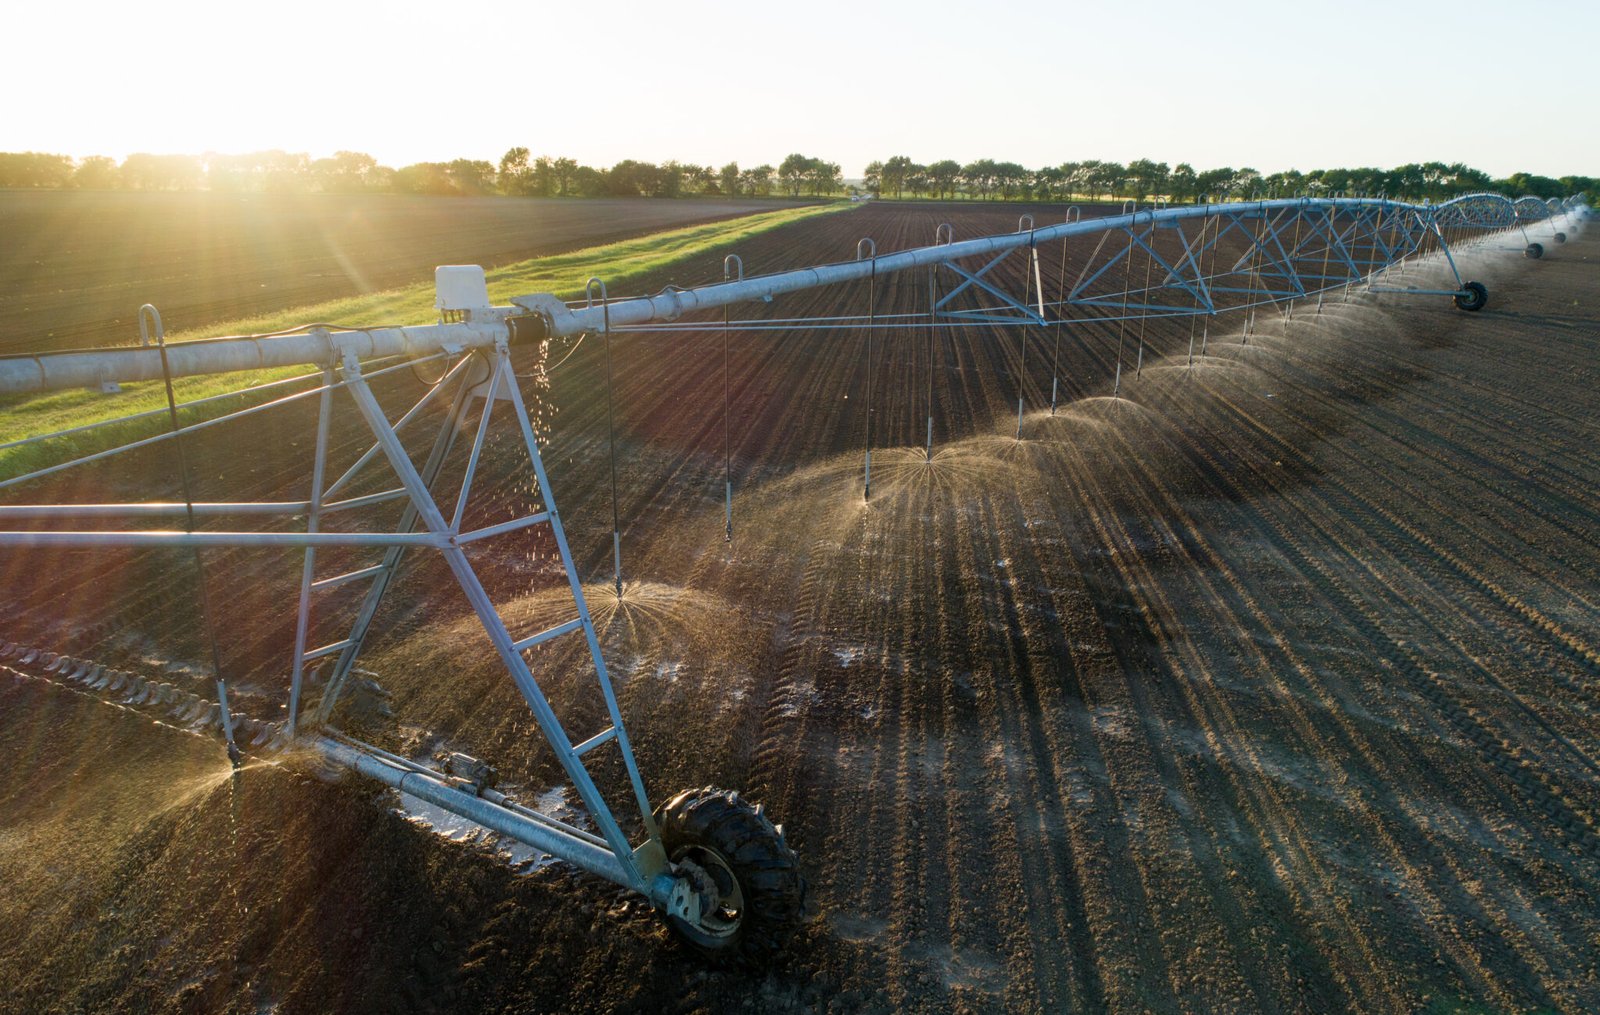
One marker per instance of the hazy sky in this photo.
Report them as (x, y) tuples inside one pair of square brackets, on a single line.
[(1270, 85)]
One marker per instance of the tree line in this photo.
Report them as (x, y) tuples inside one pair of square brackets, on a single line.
[(1144, 179), (518, 173)]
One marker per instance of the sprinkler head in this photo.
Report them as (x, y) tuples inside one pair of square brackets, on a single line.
[(235, 756)]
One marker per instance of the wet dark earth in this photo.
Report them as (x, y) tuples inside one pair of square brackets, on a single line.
[(1268, 685)]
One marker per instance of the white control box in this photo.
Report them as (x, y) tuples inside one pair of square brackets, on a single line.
[(460, 287)]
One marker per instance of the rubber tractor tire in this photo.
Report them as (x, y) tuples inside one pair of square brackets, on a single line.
[(749, 879), (1473, 296)]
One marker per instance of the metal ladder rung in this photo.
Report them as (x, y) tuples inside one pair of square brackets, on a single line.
[(609, 733), (326, 650), (543, 636), (348, 576)]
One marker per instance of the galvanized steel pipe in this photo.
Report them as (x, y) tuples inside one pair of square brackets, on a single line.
[(84, 368)]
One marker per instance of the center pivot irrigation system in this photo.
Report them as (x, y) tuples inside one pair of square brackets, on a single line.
[(714, 864)]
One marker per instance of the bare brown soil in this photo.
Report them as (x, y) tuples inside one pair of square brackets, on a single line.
[(1267, 686), (76, 266)]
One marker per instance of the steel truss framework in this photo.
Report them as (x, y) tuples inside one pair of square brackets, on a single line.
[(1178, 261)]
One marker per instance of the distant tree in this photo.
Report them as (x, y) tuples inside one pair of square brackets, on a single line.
[(1181, 183), (541, 177), (1587, 186), (1287, 183), (872, 177), (584, 181), (425, 178), (1106, 178), (1350, 181), (700, 179), (1086, 179), (1368, 180), (285, 172), (1212, 184), (1244, 183), (472, 176), (897, 172), (757, 181), (344, 173), (1009, 178), (668, 180), (1527, 184), (516, 174), (1067, 178), (34, 169), (917, 180), (382, 180), (630, 178), (350, 172), (979, 177), (564, 178), (143, 171), (1146, 178), (228, 173), (1463, 179), (792, 173), (824, 177), (95, 173), (1048, 183), (943, 175)]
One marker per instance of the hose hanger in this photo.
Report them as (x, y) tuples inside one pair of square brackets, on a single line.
[(594, 285), (867, 248), (150, 319), (732, 270)]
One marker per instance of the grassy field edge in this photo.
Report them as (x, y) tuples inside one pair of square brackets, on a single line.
[(621, 264)]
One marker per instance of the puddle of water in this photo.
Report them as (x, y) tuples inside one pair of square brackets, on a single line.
[(553, 802)]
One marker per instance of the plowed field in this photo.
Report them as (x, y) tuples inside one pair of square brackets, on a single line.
[(76, 266), (1268, 685)]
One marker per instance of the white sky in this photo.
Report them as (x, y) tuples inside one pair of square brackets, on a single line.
[(1271, 85)]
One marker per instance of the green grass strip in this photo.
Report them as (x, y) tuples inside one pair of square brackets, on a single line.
[(621, 264)]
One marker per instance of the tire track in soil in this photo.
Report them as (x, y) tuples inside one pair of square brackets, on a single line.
[(1185, 533), (985, 912), (1559, 655), (1136, 775), (1401, 536), (1032, 801), (1170, 781), (1439, 689), (923, 890), (1439, 692), (1038, 692), (1281, 836), (1390, 426)]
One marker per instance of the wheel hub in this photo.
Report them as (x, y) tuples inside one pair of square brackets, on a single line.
[(713, 881)]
